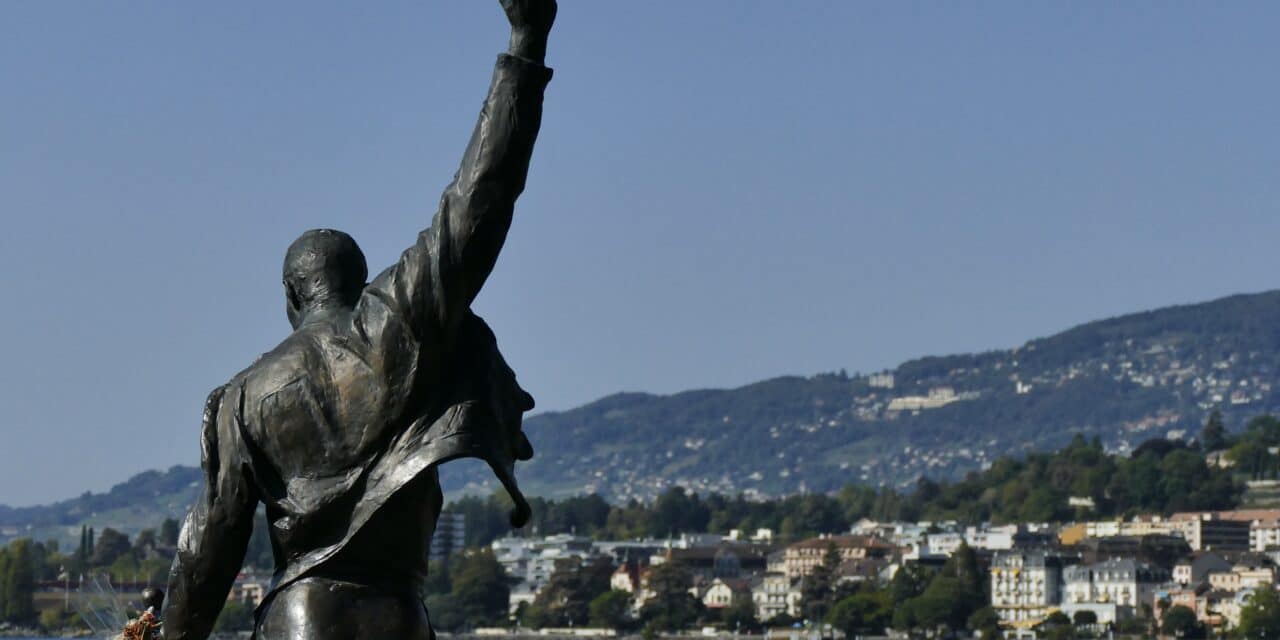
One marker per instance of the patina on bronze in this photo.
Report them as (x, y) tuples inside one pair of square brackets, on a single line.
[(339, 429)]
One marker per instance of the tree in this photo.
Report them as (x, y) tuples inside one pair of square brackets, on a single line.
[(963, 567), (19, 583), (145, 544), (866, 611), (740, 616), (1082, 618), (1181, 622), (908, 582), (259, 553), (612, 610), (480, 587), (817, 588), (4, 582), (1265, 429), (52, 620), (484, 518), (933, 610), (566, 599), (672, 607), (111, 546), (985, 620), (1214, 435), (1057, 627), (1044, 504), (523, 617), (446, 612), (781, 619), (84, 550), (1260, 616), (169, 532), (904, 616), (952, 596), (1251, 457), (1057, 619), (236, 616), (437, 580), (677, 511)]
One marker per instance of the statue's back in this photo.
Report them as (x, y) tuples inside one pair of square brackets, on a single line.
[(315, 414)]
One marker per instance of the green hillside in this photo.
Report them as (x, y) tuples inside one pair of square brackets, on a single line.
[(141, 502)]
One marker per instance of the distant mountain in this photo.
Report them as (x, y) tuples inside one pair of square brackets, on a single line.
[(1125, 380), (141, 502)]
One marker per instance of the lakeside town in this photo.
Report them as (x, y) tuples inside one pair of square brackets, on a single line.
[(1177, 539), (1190, 574)]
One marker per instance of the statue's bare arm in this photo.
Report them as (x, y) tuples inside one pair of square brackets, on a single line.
[(436, 279)]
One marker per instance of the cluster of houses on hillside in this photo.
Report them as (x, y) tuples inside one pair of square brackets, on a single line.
[(1116, 570), (724, 569)]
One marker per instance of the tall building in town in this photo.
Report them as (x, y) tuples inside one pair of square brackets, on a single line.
[(1025, 585), (450, 536)]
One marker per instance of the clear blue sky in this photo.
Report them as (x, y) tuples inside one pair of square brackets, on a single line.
[(723, 191)]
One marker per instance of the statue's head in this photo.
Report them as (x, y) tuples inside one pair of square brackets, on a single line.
[(323, 269)]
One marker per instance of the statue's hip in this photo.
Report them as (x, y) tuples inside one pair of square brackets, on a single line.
[(316, 608)]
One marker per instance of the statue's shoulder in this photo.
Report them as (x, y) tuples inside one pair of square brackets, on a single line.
[(293, 359)]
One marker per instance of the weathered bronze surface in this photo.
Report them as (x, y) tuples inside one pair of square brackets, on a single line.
[(338, 430)]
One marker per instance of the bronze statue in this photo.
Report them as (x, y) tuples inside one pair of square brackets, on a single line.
[(338, 430)]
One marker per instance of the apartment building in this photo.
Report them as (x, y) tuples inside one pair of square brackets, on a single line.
[(1025, 585)]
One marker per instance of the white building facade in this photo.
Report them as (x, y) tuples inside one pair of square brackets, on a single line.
[(1025, 586)]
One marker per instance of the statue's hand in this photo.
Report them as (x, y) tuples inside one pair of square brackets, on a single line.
[(530, 17)]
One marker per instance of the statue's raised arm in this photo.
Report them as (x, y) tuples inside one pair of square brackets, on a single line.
[(436, 279)]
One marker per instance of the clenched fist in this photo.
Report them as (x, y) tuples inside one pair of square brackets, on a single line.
[(530, 24)]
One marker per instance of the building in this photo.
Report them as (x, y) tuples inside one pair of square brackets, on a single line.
[(626, 578), (1224, 581), (761, 535), (1230, 609), (1195, 569), (721, 561), (1189, 597), (872, 569), (1002, 538), (249, 589), (1264, 534), (945, 544), (450, 536), (1213, 532), (631, 551), (801, 557), (1072, 534), (1025, 585), (722, 592), (938, 397), (1113, 590), (776, 561), (1213, 607), (774, 594), (1137, 527), (1238, 530), (1249, 572), (1159, 550), (529, 562)]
